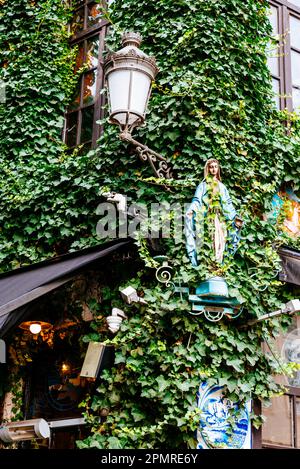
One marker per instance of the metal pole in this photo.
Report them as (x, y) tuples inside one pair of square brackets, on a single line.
[(265, 316)]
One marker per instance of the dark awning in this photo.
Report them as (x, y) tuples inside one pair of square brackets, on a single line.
[(21, 286), (290, 262)]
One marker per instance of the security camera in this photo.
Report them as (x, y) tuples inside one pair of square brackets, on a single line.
[(292, 307), (129, 295), (118, 312), (115, 320)]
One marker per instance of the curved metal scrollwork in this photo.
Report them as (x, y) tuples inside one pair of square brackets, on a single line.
[(157, 162), (213, 316), (164, 274)]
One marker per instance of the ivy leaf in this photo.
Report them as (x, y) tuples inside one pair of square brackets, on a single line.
[(114, 443), (236, 363), (162, 383)]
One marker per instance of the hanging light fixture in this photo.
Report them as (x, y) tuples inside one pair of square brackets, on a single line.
[(129, 74), (36, 327), (65, 368)]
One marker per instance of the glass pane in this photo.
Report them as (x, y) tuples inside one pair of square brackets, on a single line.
[(95, 13), (274, 19), (118, 85), (277, 429), (291, 348), (295, 57), (273, 49), (75, 103), (92, 51), (295, 31), (87, 124), (298, 421), (78, 21), (79, 57), (273, 59), (296, 105), (295, 2), (71, 132), (89, 87), (276, 90), (84, 149), (141, 84)]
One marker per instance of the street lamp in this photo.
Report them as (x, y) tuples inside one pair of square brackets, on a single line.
[(129, 74)]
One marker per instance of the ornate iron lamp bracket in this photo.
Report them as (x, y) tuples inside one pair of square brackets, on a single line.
[(158, 163), (164, 273)]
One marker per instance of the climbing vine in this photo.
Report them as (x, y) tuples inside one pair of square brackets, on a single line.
[(45, 199), (212, 99)]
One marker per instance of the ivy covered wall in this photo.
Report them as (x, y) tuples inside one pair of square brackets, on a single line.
[(212, 98), (48, 197)]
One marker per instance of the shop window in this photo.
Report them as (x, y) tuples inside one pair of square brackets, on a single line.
[(88, 29)]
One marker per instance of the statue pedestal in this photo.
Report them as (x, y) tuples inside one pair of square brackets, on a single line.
[(214, 286), (213, 300)]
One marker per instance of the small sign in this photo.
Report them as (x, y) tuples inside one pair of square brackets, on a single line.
[(2, 92), (98, 356), (2, 351)]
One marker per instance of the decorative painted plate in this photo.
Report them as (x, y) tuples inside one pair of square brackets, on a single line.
[(223, 424)]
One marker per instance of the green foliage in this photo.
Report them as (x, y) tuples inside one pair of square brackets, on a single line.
[(46, 194), (212, 98)]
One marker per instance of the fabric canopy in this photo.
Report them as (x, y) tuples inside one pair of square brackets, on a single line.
[(290, 263), (21, 286)]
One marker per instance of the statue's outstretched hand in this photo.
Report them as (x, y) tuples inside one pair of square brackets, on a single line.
[(238, 222)]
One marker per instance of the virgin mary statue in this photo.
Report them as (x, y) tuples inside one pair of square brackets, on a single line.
[(212, 204)]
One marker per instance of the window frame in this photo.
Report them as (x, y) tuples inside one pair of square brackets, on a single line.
[(293, 393), (285, 9), (81, 37)]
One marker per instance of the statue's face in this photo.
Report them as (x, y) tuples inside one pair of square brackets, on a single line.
[(213, 168)]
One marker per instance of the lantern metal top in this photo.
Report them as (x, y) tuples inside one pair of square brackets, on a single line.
[(131, 39), (133, 55)]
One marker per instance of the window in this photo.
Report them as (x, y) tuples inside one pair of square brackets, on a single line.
[(274, 62), (282, 427), (284, 56), (283, 421), (89, 29)]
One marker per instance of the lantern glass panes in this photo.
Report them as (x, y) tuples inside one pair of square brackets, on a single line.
[(129, 75), (129, 91)]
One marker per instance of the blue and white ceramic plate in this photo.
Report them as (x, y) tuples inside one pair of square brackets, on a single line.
[(215, 430)]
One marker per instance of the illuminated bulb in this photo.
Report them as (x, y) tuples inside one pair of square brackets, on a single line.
[(65, 367), (35, 328)]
